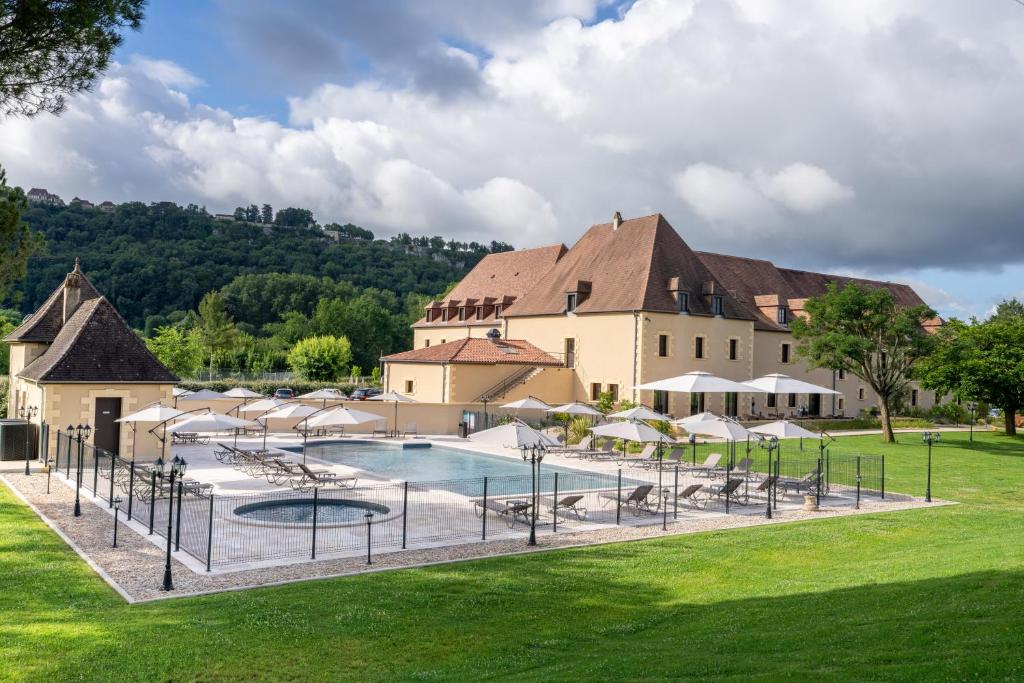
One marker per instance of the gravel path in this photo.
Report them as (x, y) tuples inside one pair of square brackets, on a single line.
[(135, 568)]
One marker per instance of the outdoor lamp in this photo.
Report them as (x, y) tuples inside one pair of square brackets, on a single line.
[(369, 525), (158, 467), (117, 508)]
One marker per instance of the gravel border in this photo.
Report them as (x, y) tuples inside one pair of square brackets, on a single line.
[(135, 568)]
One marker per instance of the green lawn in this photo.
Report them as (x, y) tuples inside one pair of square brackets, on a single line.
[(921, 595)]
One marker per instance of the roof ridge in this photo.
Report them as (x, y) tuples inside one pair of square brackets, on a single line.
[(92, 304)]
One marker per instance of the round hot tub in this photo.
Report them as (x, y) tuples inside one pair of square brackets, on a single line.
[(299, 511)]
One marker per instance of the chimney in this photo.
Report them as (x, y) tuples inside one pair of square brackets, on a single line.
[(72, 292), (616, 220)]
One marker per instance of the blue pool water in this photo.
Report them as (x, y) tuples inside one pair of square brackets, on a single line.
[(434, 463)]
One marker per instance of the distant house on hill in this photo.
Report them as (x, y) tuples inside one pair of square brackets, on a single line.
[(40, 195), (223, 217), (107, 206), (82, 203)]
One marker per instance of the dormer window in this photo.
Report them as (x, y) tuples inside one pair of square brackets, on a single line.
[(570, 302), (718, 304), (462, 313), (497, 310), (445, 314), (479, 312), (430, 316), (782, 315), (683, 302)]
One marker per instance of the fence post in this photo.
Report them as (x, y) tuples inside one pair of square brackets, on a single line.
[(209, 537), (69, 457), (817, 489), (675, 505), (618, 499), (728, 469), (858, 482), (554, 507), (95, 471), (883, 477), (131, 488), (113, 464), (177, 522), (316, 506), (828, 470), (152, 499), (484, 508), (405, 512)]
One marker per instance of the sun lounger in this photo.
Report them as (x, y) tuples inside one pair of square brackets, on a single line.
[(635, 501), (410, 430), (694, 496), (567, 504), (765, 486), (605, 452), (806, 485), (511, 510), (325, 478), (742, 470), (727, 489), (379, 432), (708, 467), (573, 450)]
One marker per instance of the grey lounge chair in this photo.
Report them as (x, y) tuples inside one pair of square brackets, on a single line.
[(693, 496), (510, 510), (806, 485), (568, 504), (324, 478), (635, 501), (648, 457), (727, 489), (708, 467)]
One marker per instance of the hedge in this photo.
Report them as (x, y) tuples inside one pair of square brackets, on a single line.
[(267, 387)]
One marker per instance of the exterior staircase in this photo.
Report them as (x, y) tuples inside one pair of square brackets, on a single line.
[(501, 389)]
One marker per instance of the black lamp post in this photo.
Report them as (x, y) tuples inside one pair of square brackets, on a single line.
[(117, 508), (27, 414), (81, 434), (929, 438), (173, 471), (534, 455), (369, 539), (973, 407), (769, 443), (49, 470)]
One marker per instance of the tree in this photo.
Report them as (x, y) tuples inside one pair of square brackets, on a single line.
[(981, 361), (239, 214), (294, 218), (216, 328), (322, 359), (6, 328), (180, 350), (267, 214), (252, 214), (53, 48), (865, 332), (17, 241)]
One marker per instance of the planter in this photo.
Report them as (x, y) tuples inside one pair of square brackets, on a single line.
[(811, 503)]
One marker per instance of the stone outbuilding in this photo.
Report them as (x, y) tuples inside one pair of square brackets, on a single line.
[(76, 361)]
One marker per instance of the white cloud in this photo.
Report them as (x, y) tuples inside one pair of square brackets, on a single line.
[(871, 134)]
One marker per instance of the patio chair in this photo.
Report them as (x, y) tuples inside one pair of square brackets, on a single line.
[(410, 430), (765, 486), (573, 450), (605, 452), (727, 489), (323, 478), (708, 467), (806, 484), (282, 470), (567, 504), (693, 495), (222, 453), (742, 470), (648, 457), (510, 510), (377, 431), (635, 501)]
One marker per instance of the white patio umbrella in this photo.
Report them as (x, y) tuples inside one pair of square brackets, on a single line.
[(722, 429), (528, 403), (180, 391), (262, 406), (516, 434), (158, 413), (209, 422), (397, 398), (324, 395), (635, 431), (640, 413), (699, 383), (285, 411), (784, 429), (577, 409), (242, 392), (777, 383), (342, 416), (203, 395), (693, 419)]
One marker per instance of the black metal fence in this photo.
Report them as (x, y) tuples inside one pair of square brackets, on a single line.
[(223, 530)]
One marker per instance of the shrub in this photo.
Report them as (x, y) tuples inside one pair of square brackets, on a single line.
[(180, 350), (323, 359), (579, 427), (4, 388)]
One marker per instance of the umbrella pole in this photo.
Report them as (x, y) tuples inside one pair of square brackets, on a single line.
[(396, 419)]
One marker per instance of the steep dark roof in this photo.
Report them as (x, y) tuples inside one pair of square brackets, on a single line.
[(43, 325), (96, 345), (475, 350), (628, 268)]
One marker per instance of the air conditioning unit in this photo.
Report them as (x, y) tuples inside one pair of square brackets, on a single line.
[(13, 435)]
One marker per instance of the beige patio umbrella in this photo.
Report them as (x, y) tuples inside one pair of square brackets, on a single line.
[(516, 434), (157, 413), (397, 398), (776, 383), (640, 413), (324, 395)]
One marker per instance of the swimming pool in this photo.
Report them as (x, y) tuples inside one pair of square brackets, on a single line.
[(430, 463)]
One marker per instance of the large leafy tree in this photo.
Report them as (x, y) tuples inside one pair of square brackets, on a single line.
[(216, 329), (179, 349), (982, 361), (865, 332), (17, 241), (53, 48), (323, 359)]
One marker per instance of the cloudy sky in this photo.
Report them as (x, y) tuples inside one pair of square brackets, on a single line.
[(880, 138)]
